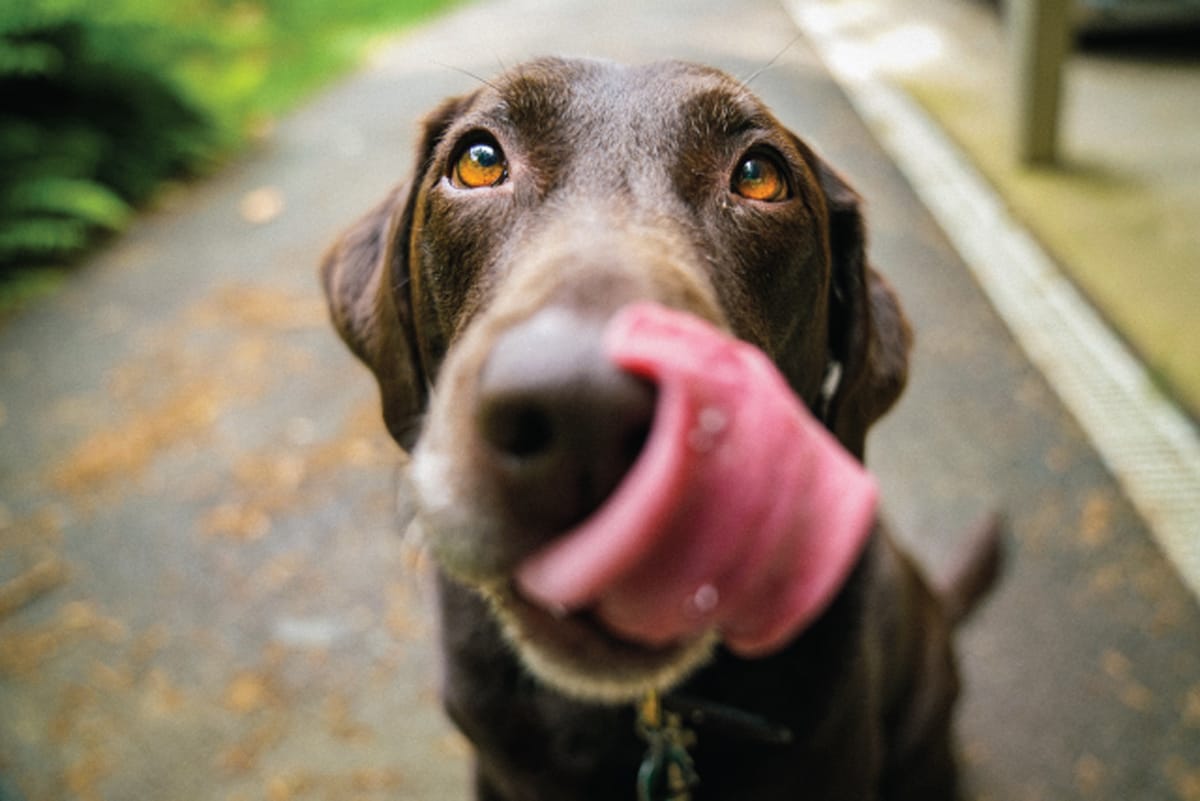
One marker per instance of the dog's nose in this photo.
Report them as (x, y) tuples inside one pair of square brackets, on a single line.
[(561, 424)]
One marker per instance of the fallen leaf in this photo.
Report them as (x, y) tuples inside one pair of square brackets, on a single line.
[(1095, 520), (1116, 664), (341, 722), (1191, 707), (46, 574), (1089, 774), (1185, 778), (238, 521), (261, 205), (117, 453), (248, 692)]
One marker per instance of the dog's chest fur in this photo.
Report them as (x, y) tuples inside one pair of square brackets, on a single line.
[(536, 744)]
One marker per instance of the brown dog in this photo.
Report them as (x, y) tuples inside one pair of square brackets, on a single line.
[(540, 205)]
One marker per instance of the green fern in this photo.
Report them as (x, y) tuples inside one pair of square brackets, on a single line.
[(91, 203), (34, 237), (27, 59), (101, 102), (90, 124)]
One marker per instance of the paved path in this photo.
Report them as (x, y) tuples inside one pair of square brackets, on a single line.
[(205, 596)]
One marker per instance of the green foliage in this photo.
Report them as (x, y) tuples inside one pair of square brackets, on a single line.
[(90, 124), (101, 102)]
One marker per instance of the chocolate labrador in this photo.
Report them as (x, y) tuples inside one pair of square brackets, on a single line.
[(540, 205)]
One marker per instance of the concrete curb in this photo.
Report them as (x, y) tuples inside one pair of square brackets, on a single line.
[(1150, 447)]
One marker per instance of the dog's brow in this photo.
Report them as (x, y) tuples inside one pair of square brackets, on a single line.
[(721, 113), (531, 102)]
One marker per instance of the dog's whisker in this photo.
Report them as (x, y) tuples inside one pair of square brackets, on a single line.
[(468, 73), (746, 82)]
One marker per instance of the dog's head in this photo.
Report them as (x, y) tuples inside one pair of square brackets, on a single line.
[(541, 204)]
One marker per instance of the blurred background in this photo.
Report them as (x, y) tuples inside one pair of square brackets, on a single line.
[(107, 105), (203, 590)]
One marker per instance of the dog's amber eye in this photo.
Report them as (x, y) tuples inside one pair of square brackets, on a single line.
[(758, 178), (480, 165)]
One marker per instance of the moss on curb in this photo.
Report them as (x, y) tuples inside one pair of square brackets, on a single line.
[(1130, 251)]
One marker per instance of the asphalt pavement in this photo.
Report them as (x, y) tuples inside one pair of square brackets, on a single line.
[(203, 591)]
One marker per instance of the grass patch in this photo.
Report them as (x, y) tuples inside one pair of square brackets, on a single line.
[(259, 58)]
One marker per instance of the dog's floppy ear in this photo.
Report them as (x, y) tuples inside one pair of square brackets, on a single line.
[(869, 337), (366, 278)]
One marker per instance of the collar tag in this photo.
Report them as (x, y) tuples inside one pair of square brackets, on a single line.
[(667, 772)]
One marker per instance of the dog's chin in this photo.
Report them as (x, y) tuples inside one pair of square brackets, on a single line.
[(578, 657), (572, 653)]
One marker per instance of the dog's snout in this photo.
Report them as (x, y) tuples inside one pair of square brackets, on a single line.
[(561, 424)]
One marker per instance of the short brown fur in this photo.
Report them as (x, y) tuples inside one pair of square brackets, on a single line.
[(618, 191)]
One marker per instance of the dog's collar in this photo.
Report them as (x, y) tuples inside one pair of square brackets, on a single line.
[(668, 725), (729, 721)]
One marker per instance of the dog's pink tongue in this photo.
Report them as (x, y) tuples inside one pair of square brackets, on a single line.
[(741, 514)]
